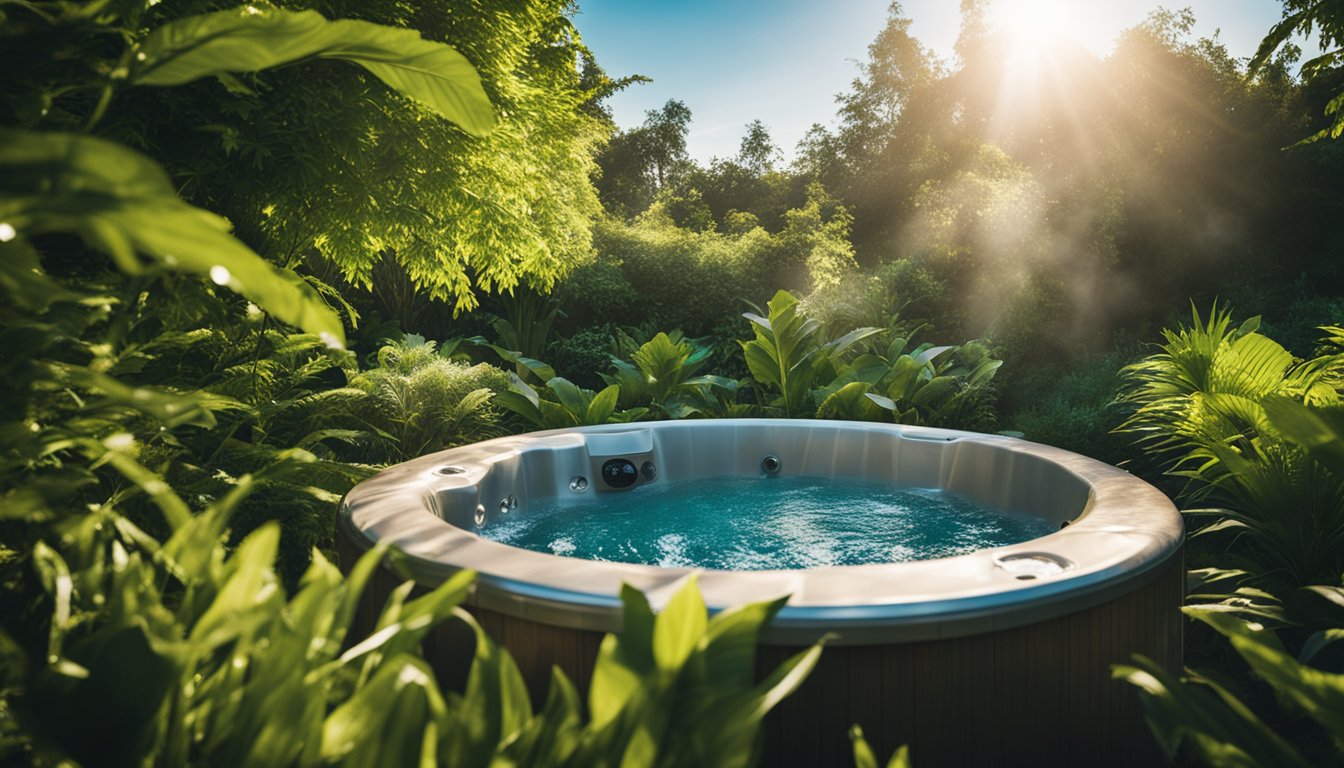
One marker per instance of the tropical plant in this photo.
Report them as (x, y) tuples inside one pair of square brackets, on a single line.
[(1205, 713), (801, 374), (939, 386), (1209, 714), (223, 669), (102, 560), (565, 404), (790, 358), (220, 668), (678, 688), (1201, 402), (525, 328), (661, 375)]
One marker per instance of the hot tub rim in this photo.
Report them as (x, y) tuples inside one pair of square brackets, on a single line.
[(997, 605)]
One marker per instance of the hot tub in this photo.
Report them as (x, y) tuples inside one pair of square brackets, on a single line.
[(997, 656)]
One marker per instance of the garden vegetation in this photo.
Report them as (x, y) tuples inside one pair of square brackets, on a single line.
[(251, 254)]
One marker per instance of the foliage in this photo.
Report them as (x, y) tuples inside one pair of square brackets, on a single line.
[(230, 671), (661, 375), (1072, 407), (251, 39), (1202, 402), (526, 325), (938, 386), (790, 357), (1326, 20), (680, 278), (801, 374), (677, 689), (462, 215), (419, 400), (585, 355), (864, 757), (561, 404), (1207, 713), (1214, 722)]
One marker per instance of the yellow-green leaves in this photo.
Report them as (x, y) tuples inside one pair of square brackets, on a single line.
[(122, 203), (251, 38), (864, 757), (679, 688), (678, 629)]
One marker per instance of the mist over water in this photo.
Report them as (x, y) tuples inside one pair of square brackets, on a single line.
[(744, 524)]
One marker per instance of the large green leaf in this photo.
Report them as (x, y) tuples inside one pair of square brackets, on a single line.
[(602, 405), (249, 38), (622, 660), (678, 628), (730, 643), (1320, 430), (1317, 693), (121, 202), (384, 722), (239, 606)]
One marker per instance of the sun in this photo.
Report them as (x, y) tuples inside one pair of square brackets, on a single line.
[(1036, 23)]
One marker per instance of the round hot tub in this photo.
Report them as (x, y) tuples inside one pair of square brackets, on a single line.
[(995, 655)]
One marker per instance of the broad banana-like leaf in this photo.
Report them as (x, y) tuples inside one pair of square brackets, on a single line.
[(250, 38)]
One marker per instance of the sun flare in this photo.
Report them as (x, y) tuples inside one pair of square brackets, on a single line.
[(1036, 22)]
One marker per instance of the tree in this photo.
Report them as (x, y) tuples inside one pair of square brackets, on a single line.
[(758, 152), (665, 136), (1301, 17), (353, 176), (640, 162)]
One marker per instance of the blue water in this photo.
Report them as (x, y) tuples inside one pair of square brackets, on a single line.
[(749, 524)]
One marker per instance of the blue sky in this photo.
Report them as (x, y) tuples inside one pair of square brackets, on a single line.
[(783, 61)]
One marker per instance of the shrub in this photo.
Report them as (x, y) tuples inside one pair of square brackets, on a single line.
[(583, 357), (420, 401), (1073, 409), (1201, 402), (799, 372)]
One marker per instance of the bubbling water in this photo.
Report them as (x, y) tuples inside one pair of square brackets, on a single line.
[(748, 524)]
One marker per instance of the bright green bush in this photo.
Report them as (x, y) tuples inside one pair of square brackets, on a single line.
[(693, 280), (1201, 402), (419, 401), (561, 404), (867, 373), (661, 375)]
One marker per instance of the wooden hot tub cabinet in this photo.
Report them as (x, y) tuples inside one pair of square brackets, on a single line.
[(1035, 694)]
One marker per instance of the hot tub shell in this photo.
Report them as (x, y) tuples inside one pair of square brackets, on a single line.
[(963, 658)]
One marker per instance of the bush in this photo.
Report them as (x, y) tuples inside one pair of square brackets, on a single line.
[(693, 280), (581, 358), (1074, 409), (1202, 403), (420, 401)]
